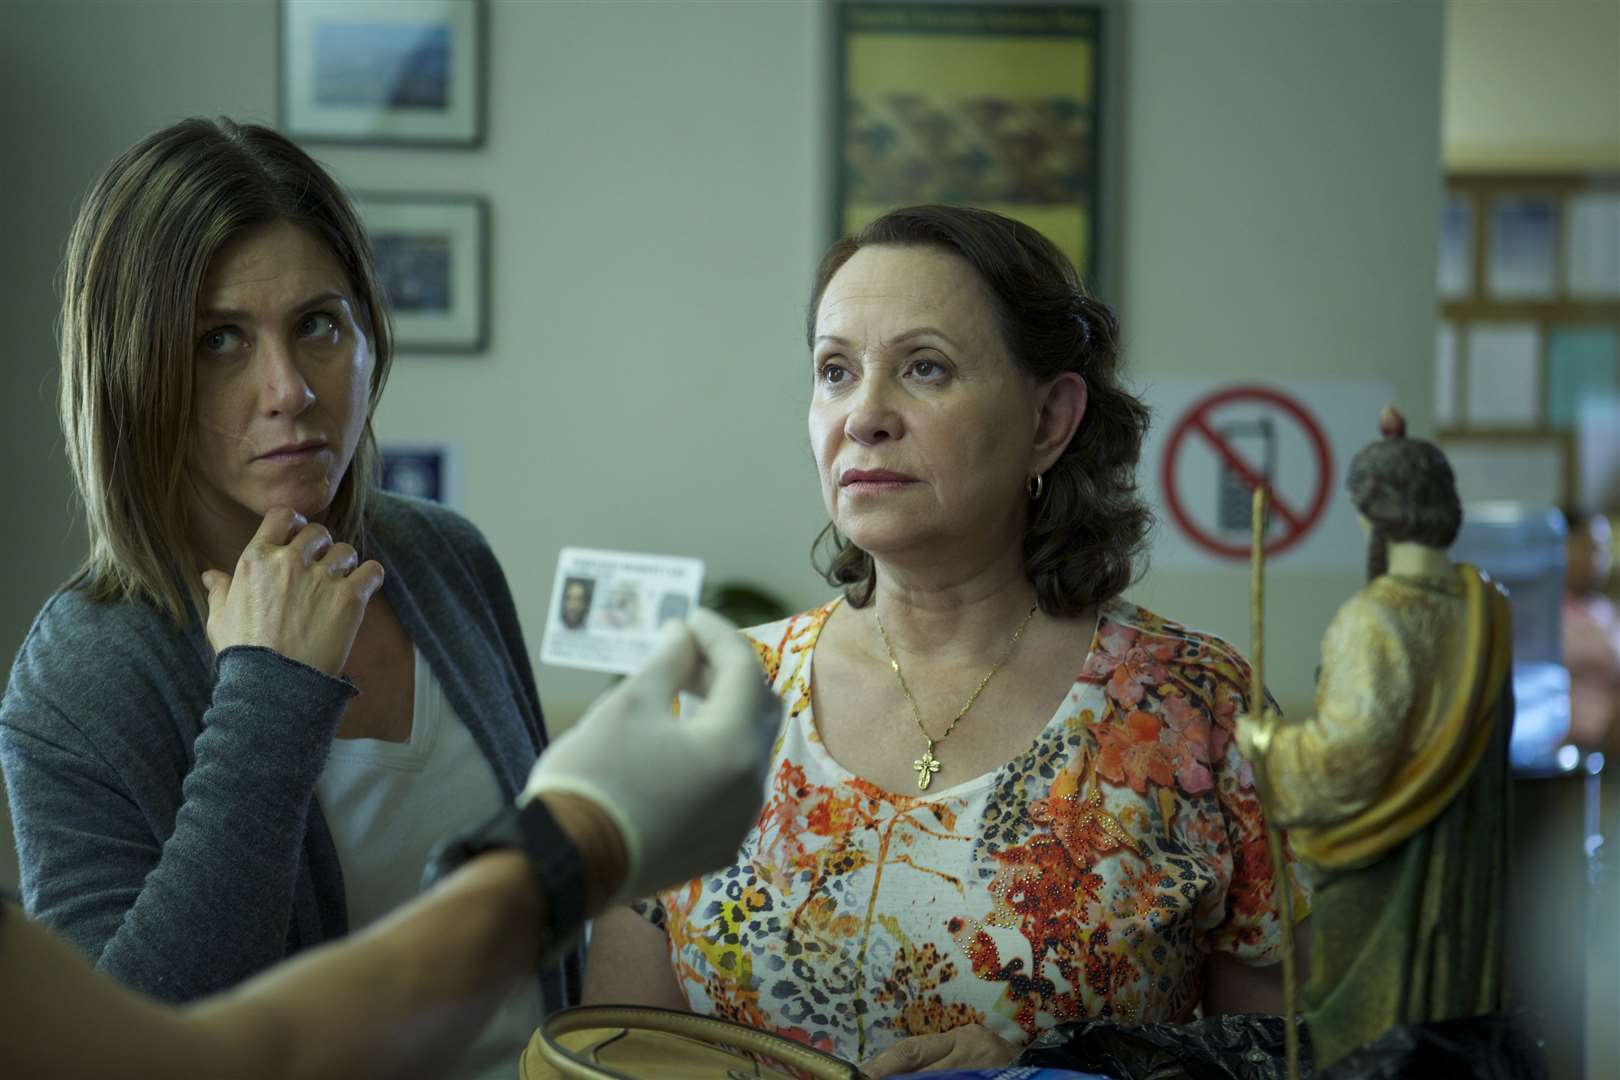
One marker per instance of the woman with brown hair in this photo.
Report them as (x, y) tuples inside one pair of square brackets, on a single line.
[(1004, 797), (271, 688), (403, 997)]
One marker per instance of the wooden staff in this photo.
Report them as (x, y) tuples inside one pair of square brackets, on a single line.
[(1281, 882)]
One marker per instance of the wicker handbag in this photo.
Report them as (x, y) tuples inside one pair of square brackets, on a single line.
[(631, 1042)]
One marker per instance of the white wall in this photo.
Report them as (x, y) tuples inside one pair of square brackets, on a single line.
[(1281, 197), (656, 173), (654, 177), (78, 83), (1532, 85)]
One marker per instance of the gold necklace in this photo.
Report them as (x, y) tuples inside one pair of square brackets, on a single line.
[(928, 764)]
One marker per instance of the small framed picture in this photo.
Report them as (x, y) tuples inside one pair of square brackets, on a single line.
[(1457, 248), (431, 259), (424, 470), (1504, 375), (380, 71), (1592, 245), (1523, 263)]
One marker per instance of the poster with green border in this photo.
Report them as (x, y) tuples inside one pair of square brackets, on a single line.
[(983, 105)]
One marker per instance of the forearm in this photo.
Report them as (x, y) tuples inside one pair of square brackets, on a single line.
[(405, 997), (50, 997), (629, 964), (1231, 986), (400, 1000), (230, 865)]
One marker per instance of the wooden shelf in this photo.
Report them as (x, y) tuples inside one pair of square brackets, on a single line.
[(1561, 312), (1547, 316)]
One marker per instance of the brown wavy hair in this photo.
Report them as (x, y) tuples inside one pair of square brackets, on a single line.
[(136, 259), (1084, 541), (1407, 492)]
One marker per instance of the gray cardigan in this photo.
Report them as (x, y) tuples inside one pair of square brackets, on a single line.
[(164, 802)]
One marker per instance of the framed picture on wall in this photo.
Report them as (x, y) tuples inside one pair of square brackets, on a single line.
[(426, 470), (988, 105), (431, 259), (379, 71)]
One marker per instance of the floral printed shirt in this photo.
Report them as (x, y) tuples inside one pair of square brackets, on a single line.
[(1088, 876)]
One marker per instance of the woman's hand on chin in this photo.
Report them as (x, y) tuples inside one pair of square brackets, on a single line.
[(294, 591), (971, 1046)]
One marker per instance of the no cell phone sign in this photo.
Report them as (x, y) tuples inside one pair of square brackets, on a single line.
[(1227, 442)]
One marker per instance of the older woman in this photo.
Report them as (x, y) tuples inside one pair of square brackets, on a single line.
[(237, 732), (1004, 798)]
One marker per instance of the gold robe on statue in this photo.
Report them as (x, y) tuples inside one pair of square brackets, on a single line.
[(1395, 797)]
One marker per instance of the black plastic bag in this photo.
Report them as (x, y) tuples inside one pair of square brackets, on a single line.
[(1498, 1046), (1216, 1048)]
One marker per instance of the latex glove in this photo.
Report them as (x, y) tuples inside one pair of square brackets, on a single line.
[(685, 790)]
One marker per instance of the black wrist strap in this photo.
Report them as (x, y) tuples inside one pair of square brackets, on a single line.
[(554, 861)]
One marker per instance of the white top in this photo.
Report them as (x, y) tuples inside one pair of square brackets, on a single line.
[(387, 805)]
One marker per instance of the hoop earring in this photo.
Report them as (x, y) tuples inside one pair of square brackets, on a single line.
[(1035, 485)]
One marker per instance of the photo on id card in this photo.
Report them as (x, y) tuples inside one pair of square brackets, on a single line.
[(607, 607)]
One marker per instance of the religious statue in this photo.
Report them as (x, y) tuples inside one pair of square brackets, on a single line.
[(1394, 793)]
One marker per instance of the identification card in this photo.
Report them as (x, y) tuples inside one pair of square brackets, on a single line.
[(607, 607)]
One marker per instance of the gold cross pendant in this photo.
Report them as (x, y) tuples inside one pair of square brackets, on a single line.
[(926, 767)]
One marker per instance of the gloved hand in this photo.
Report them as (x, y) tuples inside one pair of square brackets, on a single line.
[(685, 790)]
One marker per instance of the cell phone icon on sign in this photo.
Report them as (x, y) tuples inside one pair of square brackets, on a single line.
[(1254, 442)]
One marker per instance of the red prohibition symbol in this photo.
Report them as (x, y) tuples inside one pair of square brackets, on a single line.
[(1297, 518)]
